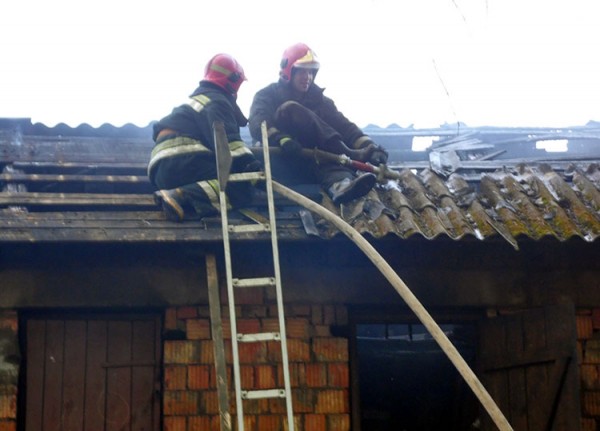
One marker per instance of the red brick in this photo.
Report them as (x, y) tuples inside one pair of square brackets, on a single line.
[(226, 329), (591, 403), (584, 327), (591, 352), (8, 425), (9, 320), (332, 401), (338, 375), (328, 315), (199, 423), (589, 376), (315, 422), (277, 406), (180, 352), (249, 423), (250, 296), (270, 325), (596, 318), (180, 403), (203, 311), (248, 326), (257, 407), (175, 423), (8, 406), (316, 375), (170, 319), (297, 374), (210, 402), (253, 311), (316, 315), (264, 377), (175, 377), (206, 352), (297, 328), (303, 400), (338, 422), (187, 312), (197, 329), (247, 377), (252, 353), (322, 331), (588, 424), (269, 423), (331, 349), (199, 376), (298, 350), (296, 310)]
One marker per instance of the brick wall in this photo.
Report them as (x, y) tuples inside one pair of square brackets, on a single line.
[(588, 346), (9, 370), (319, 370)]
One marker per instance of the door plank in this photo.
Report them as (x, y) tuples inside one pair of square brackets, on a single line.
[(543, 385), (517, 385), (74, 375), (95, 390), (118, 384), (53, 376), (143, 377), (36, 337)]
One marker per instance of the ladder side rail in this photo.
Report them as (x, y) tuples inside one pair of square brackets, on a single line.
[(232, 318), (277, 273)]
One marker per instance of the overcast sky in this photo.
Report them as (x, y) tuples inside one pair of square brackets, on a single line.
[(421, 62)]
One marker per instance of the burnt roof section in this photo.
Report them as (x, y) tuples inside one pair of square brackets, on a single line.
[(90, 184)]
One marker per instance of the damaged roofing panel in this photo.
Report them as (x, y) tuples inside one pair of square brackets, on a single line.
[(529, 201), (66, 187)]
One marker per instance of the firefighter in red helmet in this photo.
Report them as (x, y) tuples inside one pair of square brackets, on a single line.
[(182, 164), (299, 115)]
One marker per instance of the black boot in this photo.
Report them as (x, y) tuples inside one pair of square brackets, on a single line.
[(347, 189), (171, 203)]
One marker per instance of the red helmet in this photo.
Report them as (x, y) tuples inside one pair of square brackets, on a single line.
[(300, 56), (224, 70)]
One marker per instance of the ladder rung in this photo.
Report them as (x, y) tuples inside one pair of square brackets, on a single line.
[(253, 282), (261, 336), (249, 228), (267, 393), (247, 176)]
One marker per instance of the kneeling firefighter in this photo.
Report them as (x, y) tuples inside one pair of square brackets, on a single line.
[(182, 164)]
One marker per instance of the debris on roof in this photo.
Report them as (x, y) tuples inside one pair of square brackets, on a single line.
[(85, 184)]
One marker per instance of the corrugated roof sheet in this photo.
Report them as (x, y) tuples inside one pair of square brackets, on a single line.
[(528, 201), (58, 178)]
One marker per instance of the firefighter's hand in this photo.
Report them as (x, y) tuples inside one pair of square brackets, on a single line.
[(378, 156), (290, 147)]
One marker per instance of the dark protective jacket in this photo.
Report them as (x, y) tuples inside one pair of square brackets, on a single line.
[(267, 100), (192, 123)]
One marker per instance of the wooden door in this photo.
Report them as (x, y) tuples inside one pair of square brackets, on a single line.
[(92, 373), (529, 366)]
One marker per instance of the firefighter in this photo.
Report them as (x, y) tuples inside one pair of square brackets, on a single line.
[(183, 165), (299, 115)]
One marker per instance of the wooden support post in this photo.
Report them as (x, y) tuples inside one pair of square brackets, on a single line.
[(216, 327)]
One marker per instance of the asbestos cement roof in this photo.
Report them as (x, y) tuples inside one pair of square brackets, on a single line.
[(89, 184)]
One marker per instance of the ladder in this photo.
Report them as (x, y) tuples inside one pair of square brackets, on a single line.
[(274, 279)]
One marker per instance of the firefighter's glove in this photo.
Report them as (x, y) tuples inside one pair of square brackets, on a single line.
[(378, 156), (290, 147)]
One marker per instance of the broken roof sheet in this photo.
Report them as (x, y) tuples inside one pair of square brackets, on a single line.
[(63, 184)]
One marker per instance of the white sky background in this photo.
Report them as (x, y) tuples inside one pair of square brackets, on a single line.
[(420, 62)]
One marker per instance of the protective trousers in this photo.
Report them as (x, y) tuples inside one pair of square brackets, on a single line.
[(194, 177), (311, 131)]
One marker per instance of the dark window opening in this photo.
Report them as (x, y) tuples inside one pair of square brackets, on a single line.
[(406, 381)]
